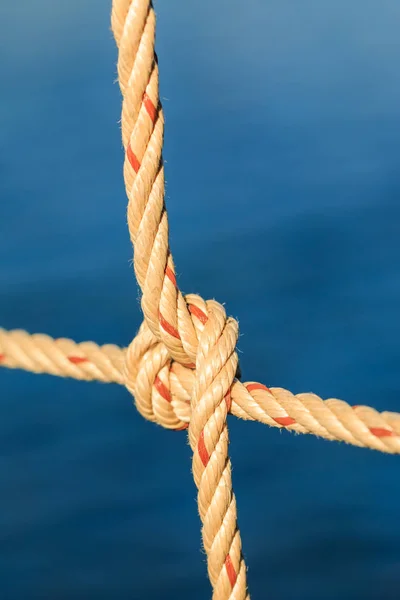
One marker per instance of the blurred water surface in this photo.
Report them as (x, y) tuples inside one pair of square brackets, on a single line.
[(282, 160)]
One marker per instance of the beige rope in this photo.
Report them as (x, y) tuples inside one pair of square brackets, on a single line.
[(182, 366), (40, 353), (163, 388), (194, 334)]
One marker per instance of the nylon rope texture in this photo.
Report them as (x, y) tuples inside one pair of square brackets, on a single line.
[(166, 400)]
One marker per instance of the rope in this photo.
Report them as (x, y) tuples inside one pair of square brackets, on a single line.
[(193, 333), (40, 353), (162, 393), (182, 367)]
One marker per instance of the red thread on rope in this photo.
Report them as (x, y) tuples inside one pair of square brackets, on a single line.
[(381, 432), (149, 106), (162, 389), (257, 386), (168, 327), (132, 158), (284, 421), (170, 274), (197, 312), (230, 569), (77, 360), (228, 400), (203, 453)]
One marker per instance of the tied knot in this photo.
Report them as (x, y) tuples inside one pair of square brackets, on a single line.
[(167, 391)]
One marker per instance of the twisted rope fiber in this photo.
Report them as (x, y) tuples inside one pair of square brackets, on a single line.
[(182, 365), (190, 331), (166, 400)]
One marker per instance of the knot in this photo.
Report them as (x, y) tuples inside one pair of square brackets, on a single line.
[(163, 388)]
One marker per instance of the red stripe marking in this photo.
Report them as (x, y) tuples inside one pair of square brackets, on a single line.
[(184, 426), (355, 406), (162, 389), (149, 106), (197, 312), (190, 366), (77, 360), (230, 569), (170, 274), (285, 421), (228, 400), (132, 159), (168, 327), (257, 386), (2, 357), (381, 432), (201, 447)]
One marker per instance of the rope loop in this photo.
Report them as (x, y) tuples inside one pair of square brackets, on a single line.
[(147, 375), (163, 388)]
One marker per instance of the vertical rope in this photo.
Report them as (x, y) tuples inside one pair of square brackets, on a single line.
[(216, 366), (195, 333)]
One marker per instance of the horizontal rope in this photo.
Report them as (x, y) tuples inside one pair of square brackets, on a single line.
[(331, 419)]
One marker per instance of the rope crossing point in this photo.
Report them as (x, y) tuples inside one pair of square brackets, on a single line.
[(182, 366)]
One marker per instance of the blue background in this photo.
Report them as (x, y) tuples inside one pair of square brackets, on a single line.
[(283, 151)]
